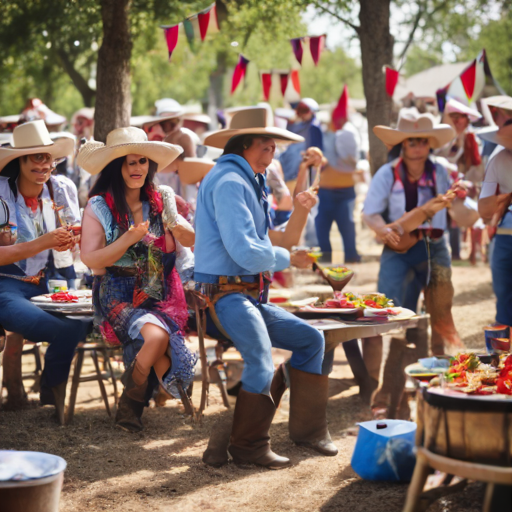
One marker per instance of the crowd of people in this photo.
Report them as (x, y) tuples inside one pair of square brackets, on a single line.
[(172, 207)]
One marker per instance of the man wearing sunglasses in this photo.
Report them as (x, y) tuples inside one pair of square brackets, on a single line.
[(413, 180), (32, 233)]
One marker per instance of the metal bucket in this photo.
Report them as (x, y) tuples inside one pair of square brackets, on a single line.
[(30, 481)]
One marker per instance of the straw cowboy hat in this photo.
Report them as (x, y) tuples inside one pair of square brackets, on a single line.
[(250, 121), (412, 124), (166, 109), (32, 138), (94, 156), (456, 107), (193, 170), (502, 136)]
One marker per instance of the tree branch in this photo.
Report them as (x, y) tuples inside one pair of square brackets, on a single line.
[(337, 16), (410, 39)]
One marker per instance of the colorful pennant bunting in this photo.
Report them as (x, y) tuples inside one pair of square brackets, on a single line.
[(295, 80), (266, 82), (468, 78), (284, 81), (316, 45), (239, 72), (340, 113), (391, 80), (171, 37), (190, 33), (204, 20), (297, 48)]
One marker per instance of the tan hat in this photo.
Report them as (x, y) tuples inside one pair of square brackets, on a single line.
[(501, 136), (412, 124), (32, 138), (250, 121), (94, 156), (166, 109), (193, 170)]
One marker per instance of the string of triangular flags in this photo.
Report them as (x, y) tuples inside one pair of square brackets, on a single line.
[(316, 45), (199, 24)]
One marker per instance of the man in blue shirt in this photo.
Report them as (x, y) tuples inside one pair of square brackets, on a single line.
[(234, 257)]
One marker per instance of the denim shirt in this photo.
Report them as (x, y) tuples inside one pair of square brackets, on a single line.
[(386, 196), (64, 194), (230, 224)]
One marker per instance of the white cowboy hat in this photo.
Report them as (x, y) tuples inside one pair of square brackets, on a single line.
[(166, 109), (501, 136), (250, 121), (503, 101), (197, 117), (193, 170), (412, 124), (94, 156), (32, 138), (310, 103), (456, 107)]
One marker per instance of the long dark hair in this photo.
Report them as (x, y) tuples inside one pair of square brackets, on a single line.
[(237, 145), (12, 171), (111, 181)]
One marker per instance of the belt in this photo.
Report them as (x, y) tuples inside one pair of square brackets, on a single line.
[(504, 231), (214, 279), (122, 271)]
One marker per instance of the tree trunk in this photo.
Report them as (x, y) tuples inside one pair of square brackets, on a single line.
[(216, 89), (113, 99), (376, 52)]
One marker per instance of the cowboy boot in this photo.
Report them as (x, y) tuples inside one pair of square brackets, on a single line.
[(134, 391), (216, 454), (308, 406), (279, 384), (250, 440), (129, 414)]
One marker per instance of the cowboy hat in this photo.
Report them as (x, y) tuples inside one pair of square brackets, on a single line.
[(166, 109), (412, 124), (94, 156), (503, 101), (456, 107), (249, 121), (32, 138), (193, 170), (501, 136)]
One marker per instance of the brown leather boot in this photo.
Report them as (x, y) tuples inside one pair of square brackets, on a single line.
[(250, 440), (216, 454), (129, 413), (278, 386), (134, 391), (308, 406), (59, 394)]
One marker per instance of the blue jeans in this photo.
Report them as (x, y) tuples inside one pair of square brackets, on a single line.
[(402, 277), (501, 267), (255, 328), (18, 314), (337, 205)]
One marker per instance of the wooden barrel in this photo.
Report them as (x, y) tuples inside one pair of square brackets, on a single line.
[(465, 429)]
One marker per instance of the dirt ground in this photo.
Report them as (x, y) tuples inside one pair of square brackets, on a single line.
[(160, 469)]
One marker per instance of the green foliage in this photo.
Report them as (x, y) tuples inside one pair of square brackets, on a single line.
[(419, 59)]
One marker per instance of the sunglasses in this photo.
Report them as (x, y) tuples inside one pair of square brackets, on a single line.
[(456, 116), (142, 161), (417, 141), (41, 158)]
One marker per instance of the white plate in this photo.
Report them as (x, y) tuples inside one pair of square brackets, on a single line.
[(498, 397), (311, 309)]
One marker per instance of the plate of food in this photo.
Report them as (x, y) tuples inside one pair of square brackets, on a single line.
[(377, 304)]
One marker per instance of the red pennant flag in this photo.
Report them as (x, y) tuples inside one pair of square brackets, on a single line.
[(316, 45), (171, 37), (468, 77), (215, 16), (204, 20), (295, 80), (284, 81), (297, 48), (239, 72), (391, 80), (341, 111), (266, 82)]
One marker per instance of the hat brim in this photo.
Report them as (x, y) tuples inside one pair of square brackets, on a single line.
[(220, 138), (437, 137), (499, 136), (193, 170), (95, 156), (61, 148), (161, 119)]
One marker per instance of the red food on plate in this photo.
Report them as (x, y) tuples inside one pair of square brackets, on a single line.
[(278, 300), (63, 297)]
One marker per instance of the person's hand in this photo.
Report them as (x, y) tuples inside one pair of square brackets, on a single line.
[(313, 157), (391, 234), (138, 232), (60, 239), (306, 199), (301, 259), (436, 204), (170, 211)]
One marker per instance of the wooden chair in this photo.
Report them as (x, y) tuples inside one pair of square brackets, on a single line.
[(33, 349), (93, 349), (426, 460)]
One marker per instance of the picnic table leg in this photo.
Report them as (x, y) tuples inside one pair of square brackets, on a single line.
[(358, 367)]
